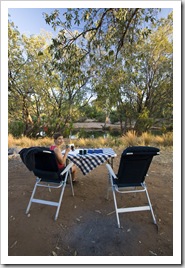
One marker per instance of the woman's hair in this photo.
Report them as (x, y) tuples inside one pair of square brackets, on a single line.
[(56, 135)]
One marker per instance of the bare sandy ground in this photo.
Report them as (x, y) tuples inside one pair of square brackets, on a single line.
[(87, 222)]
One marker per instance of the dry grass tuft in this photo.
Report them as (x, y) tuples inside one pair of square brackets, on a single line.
[(165, 139), (146, 139), (129, 139), (27, 142)]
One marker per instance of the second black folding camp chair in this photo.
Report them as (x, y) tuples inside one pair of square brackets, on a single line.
[(42, 162), (133, 168)]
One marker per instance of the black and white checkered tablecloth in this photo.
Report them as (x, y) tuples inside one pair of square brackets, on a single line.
[(88, 162)]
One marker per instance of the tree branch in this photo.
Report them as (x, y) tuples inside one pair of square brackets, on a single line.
[(121, 41)]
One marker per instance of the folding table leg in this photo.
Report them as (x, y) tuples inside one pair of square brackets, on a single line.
[(71, 182)]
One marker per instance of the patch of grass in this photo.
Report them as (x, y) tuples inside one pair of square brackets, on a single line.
[(93, 143), (11, 141), (165, 139), (25, 142), (158, 140), (129, 139), (146, 139)]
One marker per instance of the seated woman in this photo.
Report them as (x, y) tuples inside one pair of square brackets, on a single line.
[(61, 159)]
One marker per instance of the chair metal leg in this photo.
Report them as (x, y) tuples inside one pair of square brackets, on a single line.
[(151, 209), (62, 192), (130, 209), (116, 208), (32, 195), (60, 200), (47, 202)]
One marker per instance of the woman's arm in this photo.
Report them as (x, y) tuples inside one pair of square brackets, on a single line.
[(61, 158)]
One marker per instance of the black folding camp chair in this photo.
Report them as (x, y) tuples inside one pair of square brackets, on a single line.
[(133, 168), (42, 162)]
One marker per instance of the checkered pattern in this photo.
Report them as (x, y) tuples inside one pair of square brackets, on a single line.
[(88, 162)]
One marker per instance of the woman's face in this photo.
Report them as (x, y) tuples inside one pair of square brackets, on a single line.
[(59, 140)]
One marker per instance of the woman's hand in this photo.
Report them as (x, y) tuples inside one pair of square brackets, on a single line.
[(68, 150)]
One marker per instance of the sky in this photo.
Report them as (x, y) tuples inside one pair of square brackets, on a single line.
[(31, 20)]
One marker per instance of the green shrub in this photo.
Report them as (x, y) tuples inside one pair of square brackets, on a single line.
[(16, 128)]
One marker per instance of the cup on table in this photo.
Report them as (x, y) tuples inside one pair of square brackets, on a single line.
[(72, 146), (82, 151)]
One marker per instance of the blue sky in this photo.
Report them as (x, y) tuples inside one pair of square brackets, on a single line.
[(31, 21)]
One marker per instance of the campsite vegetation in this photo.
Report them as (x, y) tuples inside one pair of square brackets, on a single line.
[(111, 64), (128, 139)]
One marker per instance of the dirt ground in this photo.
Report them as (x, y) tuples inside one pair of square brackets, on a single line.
[(87, 224)]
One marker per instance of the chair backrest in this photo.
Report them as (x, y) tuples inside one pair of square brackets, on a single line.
[(46, 161), (134, 164), (46, 166)]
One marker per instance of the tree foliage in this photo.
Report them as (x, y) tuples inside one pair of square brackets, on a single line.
[(103, 27), (120, 57)]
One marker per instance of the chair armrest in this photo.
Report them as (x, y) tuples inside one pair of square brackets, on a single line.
[(67, 168), (111, 171)]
